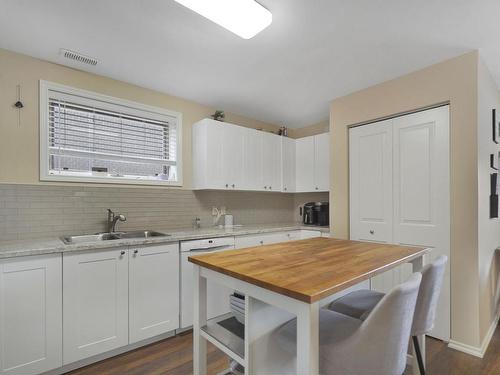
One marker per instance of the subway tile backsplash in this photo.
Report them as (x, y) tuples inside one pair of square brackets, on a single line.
[(38, 211)]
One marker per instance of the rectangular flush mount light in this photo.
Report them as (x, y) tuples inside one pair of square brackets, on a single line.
[(245, 18)]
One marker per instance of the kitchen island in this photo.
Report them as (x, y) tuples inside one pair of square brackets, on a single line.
[(282, 281)]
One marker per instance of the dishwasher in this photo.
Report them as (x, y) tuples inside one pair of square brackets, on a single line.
[(217, 295)]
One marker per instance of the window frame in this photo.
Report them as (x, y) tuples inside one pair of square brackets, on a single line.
[(46, 87)]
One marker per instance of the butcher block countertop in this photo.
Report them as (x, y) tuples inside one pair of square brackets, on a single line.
[(309, 270)]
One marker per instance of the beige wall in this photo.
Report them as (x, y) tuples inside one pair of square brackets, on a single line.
[(453, 81), (488, 229), (19, 144), (314, 129)]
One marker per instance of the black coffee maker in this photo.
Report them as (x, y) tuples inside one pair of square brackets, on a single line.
[(316, 213)]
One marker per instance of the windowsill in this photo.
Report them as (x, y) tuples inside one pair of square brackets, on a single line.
[(110, 180)]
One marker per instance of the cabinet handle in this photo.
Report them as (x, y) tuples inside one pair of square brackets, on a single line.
[(284, 189), (317, 188), (265, 187), (261, 242), (232, 186), (372, 231), (270, 188), (136, 251), (227, 185), (122, 252)]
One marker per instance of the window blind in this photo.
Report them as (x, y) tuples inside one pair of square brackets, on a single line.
[(86, 137)]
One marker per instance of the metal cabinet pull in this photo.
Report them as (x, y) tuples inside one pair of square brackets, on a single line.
[(136, 251), (372, 231), (122, 252)]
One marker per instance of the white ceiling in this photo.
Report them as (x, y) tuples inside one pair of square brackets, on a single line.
[(313, 52)]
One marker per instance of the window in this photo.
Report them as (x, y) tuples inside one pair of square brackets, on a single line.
[(90, 137)]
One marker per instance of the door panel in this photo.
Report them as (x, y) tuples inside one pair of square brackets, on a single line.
[(95, 303), (304, 161), (271, 159), (322, 162), (252, 160), (232, 154), (370, 160), (153, 291), (288, 155), (30, 315), (421, 193)]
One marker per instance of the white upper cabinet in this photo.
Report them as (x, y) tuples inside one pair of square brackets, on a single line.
[(322, 162), (232, 157), (288, 164), (30, 314), (271, 161), (252, 160), (312, 159)]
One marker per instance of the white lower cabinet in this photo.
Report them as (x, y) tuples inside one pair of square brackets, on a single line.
[(95, 303), (271, 238), (153, 291), (30, 314)]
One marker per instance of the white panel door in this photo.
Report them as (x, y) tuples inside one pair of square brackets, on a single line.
[(95, 303), (30, 315), (153, 290), (421, 194), (288, 157), (304, 162), (252, 160), (370, 169), (232, 156), (213, 166), (271, 161), (322, 162)]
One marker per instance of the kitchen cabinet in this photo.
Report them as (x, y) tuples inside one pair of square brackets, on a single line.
[(95, 303), (208, 168), (275, 237), (271, 161), (252, 160), (322, 162), (312, 159), (30, 314), (153, 290), (288, 164), (232, 156)]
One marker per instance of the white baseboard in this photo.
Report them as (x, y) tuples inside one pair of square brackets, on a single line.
[(474, 350)]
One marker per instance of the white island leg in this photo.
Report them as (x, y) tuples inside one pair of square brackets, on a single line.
[(199, 320), (417, 266), (308, 339)]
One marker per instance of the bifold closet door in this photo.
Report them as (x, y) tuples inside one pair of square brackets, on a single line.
[(370, 158), (421, 194)]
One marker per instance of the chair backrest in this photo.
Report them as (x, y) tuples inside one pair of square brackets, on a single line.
[(382, 339), (428, 296)]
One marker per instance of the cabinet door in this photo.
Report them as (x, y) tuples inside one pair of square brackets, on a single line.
[(288, 163), (304, 161), (95, 303), (271, 159), (232, 156), (30, 314), (370, 168), (153, 291), (309, 234), (260, 239), (322, 162), (252, 160)]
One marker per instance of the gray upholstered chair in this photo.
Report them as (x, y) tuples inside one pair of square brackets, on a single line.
[(359, 304), (376, 346)]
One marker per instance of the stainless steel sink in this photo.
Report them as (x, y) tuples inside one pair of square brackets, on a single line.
[(111, 236), (141, 234)]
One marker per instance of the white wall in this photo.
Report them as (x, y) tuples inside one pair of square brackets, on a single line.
[(488, 229)]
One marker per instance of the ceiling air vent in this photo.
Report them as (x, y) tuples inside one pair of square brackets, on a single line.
[(72, 55)]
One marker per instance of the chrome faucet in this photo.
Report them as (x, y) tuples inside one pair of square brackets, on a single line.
[(112, 219)]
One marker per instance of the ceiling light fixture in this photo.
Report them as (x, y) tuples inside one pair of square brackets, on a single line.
[(245, 18)]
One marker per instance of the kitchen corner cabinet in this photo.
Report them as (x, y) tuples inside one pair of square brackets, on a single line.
[(153, 290), (312, 160), (95, 303), (30, 314)]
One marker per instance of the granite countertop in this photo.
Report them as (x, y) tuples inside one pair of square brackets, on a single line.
[(10, 249)]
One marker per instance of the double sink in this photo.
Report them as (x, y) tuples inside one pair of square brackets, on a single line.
[(138, 234)]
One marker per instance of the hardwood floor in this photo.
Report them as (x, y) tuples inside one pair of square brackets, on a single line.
[(174, 357)]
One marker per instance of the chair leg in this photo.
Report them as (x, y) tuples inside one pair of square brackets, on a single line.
[(421, 366)]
